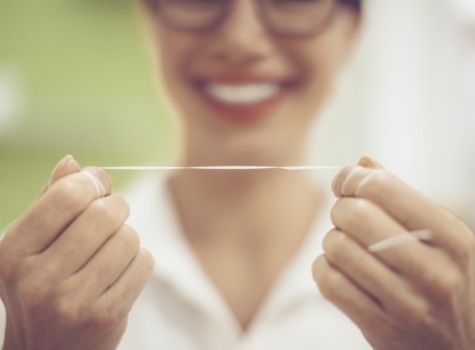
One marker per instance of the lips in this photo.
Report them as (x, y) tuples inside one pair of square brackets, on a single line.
[(242, 97)]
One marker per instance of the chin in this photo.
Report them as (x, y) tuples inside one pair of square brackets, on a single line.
[(255, 150)]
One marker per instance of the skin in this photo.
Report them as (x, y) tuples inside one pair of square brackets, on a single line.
[(70, 269), (419, 295)]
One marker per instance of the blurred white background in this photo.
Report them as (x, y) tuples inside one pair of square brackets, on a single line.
[(408, 98)]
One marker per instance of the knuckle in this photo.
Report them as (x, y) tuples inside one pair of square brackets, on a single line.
[(35, 285), (66, 310), (34, 293), (360, 209), (349, 183), (317, 267), (128, 238), (445, 287), (146, 259), (335, 246), (71, 193), (356, 212), (328, 281), (145, 265), (471, 247), (106, 317), (465, 253), (8, 273), (417, 315), (341, 252), (374, 184), (466, 249), (102, 210), (417, 308)]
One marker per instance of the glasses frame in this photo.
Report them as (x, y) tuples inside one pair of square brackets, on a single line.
[(261, 12)]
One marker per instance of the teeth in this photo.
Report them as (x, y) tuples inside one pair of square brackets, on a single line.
[(242, 94)]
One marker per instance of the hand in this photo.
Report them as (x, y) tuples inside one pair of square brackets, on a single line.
[(70, 269), (413, 296)]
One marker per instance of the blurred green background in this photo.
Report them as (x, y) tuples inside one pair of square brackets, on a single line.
[(76, 78)]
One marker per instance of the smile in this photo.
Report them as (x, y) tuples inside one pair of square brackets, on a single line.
[(241, 94)]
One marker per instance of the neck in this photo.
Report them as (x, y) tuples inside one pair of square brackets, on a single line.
[(246, 206), (244, 227)]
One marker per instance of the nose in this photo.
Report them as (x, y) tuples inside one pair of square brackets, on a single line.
[(242, 37)]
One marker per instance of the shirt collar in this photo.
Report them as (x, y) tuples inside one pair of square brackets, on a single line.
[(154, 217)]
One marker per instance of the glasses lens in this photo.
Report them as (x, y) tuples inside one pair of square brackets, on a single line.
[(297, 17), (191, 14)]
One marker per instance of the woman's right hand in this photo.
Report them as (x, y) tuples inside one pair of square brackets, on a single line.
[(70, 268)]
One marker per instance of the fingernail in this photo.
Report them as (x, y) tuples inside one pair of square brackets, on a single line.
[(62, 163), (369, 162)]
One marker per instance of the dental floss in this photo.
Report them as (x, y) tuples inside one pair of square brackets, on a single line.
[(411, 236), (97, 184), (225, 167)]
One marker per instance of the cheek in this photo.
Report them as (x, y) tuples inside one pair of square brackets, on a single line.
[(322, 63), (175, 51), (318, 71)]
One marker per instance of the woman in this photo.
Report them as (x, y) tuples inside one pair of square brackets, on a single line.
[(234, 249)]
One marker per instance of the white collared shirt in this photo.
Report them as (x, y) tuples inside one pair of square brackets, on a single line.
[(180, 308)]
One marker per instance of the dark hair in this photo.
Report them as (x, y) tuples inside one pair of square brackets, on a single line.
[(356, 4)]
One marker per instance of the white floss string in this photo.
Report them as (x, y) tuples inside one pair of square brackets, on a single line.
[(101, 191), (394, 241), (221, 167)]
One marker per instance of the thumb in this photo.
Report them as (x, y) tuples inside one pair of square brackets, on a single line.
[(369, 162), (65, 166)]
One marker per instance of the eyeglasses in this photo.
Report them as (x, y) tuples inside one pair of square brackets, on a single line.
[(281, 17)]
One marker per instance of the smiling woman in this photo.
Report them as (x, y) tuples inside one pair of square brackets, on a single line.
[(234, 88), (234, 246)]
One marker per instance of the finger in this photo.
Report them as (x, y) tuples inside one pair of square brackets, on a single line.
[(369, 162), (367, 223), (409, 207), (363, 310), (338, 183), (83, 238), (370, 275), (99, 179), (110, 262), (364, 220), (55, 210), (130, 284), (65, 166)]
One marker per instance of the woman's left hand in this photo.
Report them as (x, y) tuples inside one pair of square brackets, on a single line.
[(415, 295)]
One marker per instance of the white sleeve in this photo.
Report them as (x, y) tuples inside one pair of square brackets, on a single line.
[(3, 323), (3, 313)]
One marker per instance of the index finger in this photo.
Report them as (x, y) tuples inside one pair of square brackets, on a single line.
[(66, 199), (406, 205)]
